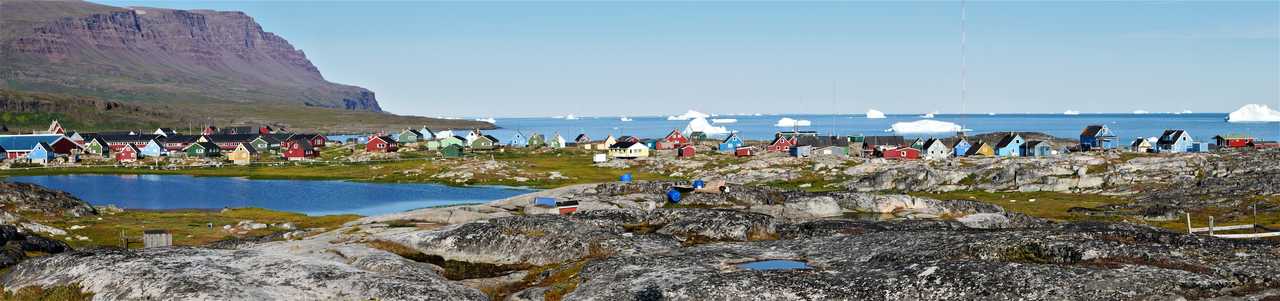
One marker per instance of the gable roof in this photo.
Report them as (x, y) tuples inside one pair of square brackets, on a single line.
[(953, 141), (248, 148), (934, 141), (1092, 130), (24, 143), (1170, 136), (733, 136), (132, 147), (1038, 143), (1140, 142), (975, 147), (884, 140), (582, 138), (1008, 139), (205, 145)]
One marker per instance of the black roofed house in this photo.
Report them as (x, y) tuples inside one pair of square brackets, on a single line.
[(1010, 145), (1097, 137), (936, 149), (1037, 148), (1140, 145), (484, 142), (872, 145), (1174, 141), (629, 149), (165, 132), (228, 142), (958, 145), (203, 150)]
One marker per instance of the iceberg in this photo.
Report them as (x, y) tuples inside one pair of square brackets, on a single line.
[(726, 120), (875, 114), (700, 124), (929, 115), (788, 122), (924, 126), (1140, 112), (1254, 113), (991, 114), (690, 115), (1071, 112), (489, 120), (624, 119)]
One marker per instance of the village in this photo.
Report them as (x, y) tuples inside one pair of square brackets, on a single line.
[(246, 145)]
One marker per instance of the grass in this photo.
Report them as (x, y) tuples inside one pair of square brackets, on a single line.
[(1049, 205), (1242, 213), (54, 293), (188, 227)]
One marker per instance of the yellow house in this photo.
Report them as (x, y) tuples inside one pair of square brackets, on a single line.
[(629, 150), (243, 155), (607, 143), (981, 149)]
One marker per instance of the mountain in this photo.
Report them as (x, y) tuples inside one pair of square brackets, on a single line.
[(219, 65)]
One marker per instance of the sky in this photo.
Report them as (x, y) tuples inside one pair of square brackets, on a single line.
[(509, 59)]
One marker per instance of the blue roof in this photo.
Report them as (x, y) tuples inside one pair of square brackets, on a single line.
[(15, 143)]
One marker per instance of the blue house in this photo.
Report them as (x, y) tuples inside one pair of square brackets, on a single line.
[(17, 146), (1037, 148), (1174, 141), (1098, 137), (518, 140), (958, 145), (42, 153), (731, 143), (1010, 145), (801, 151), (152, 149), (1199, 147)]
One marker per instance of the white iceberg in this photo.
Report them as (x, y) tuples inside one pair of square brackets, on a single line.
[(925, 127), (690, 115), (1254, 113), (724, 120), (1140, 112), (1187, 112), (991, 114), (489, 120), (570, 117), (700, 124), (788, 122), (624, 119), (929, 115), (1071, 112), (875, 114)]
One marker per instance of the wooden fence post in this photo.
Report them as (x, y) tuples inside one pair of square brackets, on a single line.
[(1210, 225), (1189, 223)]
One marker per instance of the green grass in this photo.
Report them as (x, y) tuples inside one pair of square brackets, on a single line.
[(54, 293), (1049, 205), (189, 227)]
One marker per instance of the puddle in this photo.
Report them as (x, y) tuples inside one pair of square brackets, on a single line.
[(765, 265)]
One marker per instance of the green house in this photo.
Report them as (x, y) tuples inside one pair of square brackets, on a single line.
[(432, 144), (698, 136), (452, 140), (556, 142), (409, 136), (537, 140), (97, 147), (202, 150), (451, 151), (265, 143), (484, 142)]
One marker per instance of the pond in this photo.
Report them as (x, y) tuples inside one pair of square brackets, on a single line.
[(765, 265), (161, 192)]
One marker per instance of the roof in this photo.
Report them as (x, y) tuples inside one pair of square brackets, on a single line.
[(884, 140), (181, 139), (581, 138), (412, 131), (932, 141), (1234, 136), (1008, 139), (731, 137), (1170, 135), (1092, 130), (206, 145), (953, 141), (303, 143), (118, 138), (26, 142), (155, 232), (229, 138), (1038, 143), (624, 144), (247, 147), (490, 137), (386, 139), (822, 141), (977, 146), (1139, 142), (132, 147)]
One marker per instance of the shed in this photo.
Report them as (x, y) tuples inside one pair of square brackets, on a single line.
[(451, 151), (801, 151), (686, 151), (902, 153), (745, 151), (156, 239)]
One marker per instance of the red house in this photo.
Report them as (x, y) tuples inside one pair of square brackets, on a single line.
[(744, 151), (381, 144), (781, 144), (684, 151), (1234, 141), (673, 140), (298, 149), (902, 153), (129, 153), (65, 146), (317, 140)]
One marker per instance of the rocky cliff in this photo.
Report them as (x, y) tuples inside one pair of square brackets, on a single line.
[(160, 55)]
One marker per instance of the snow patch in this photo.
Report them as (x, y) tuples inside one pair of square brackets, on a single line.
[(788, 122), (875, 114), (924, 127), (690, 115), (724, 120), (1254, 113), (700, 124)]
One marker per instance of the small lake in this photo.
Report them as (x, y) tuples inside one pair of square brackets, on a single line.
[(304, 196)]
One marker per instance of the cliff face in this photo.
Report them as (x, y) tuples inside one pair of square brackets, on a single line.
[(160, 55)]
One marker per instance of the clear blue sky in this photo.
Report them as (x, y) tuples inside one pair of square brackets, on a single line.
[(637, 58)]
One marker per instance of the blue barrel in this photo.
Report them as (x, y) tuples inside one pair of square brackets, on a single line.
[(625, 178), (673, 196), (699, 184)]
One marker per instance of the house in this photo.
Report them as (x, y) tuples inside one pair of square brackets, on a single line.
[(156, 239), (745, 151), (202, 150), (1097, 137), (265, 143), (730, 144), (409, 136), (901, 153), (958, 145), (672, 140), (1233, 141), (97, 147), (317, 141), (936, 149), (1010, 145), (1174, 141), (451, 151), (606, 144), (1140, 145), (917, 144), (75, 137), (472, 136), (428, 134), (381, 144), (175, 144), (801, 151), (56, 128), (556, 142), (780, 144), (42, 153), (154, 148), (228, 142), (243, 154), (484, 142), (518, 140), (116, 141), (629, 150), (582, 141), (17, 146), (698, 136), (300, 149), (872, 145), (824, 145), (686, 151), (980, 149), (129, 154), (164, 132), (452, 140), (1037, 148), (537, 140), (1199, 147)]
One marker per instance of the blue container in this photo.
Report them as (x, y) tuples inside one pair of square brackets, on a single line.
[(545, 202), (625, 178), (673, 196), (699, 184)]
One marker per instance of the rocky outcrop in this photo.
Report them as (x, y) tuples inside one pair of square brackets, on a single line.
[(21, 198), (15, 244)]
